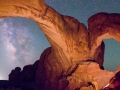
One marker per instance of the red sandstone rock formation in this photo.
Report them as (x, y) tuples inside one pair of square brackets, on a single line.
[(114, 83), (103, 26), (69, 63)]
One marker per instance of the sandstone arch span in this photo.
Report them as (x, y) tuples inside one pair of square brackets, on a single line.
[(103, 26), (71, 44)]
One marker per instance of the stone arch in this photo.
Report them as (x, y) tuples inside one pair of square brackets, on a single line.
[(103, 26), (67, 36)]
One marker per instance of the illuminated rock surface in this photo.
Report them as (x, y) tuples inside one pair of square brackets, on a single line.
[(74, 59), (103, 26)]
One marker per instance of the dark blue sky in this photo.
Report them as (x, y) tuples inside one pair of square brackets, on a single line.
[(21, 41)]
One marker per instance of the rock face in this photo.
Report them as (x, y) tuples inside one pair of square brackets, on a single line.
[(103, 26), (26, 75), (21, 79), (24, 78), (114, 83), (75, 57), (14, 76)]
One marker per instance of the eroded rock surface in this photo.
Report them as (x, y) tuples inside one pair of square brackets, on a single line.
[(114, 83), (103, 26), (89, 72), (74, 59)]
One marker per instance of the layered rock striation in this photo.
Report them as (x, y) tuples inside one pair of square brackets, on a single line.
[(76, 55)]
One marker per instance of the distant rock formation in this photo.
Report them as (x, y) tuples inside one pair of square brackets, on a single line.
[(68, 63), (26, 75), (21, 80), (14, 76)]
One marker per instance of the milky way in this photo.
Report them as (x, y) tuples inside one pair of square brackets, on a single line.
[(19, 43)]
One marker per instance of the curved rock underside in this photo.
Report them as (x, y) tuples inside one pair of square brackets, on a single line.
[(74, 59)]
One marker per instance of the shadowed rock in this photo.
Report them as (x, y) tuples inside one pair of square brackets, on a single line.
[(14, 76), (28, 73), (21, 79), (24, 79)]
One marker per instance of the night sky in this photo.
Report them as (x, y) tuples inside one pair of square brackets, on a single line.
[(22, 42)]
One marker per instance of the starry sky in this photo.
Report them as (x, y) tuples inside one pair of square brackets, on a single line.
[(22, 42)]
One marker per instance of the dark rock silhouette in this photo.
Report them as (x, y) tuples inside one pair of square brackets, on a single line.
[(14, 76), (28, 73), (21, 79)]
